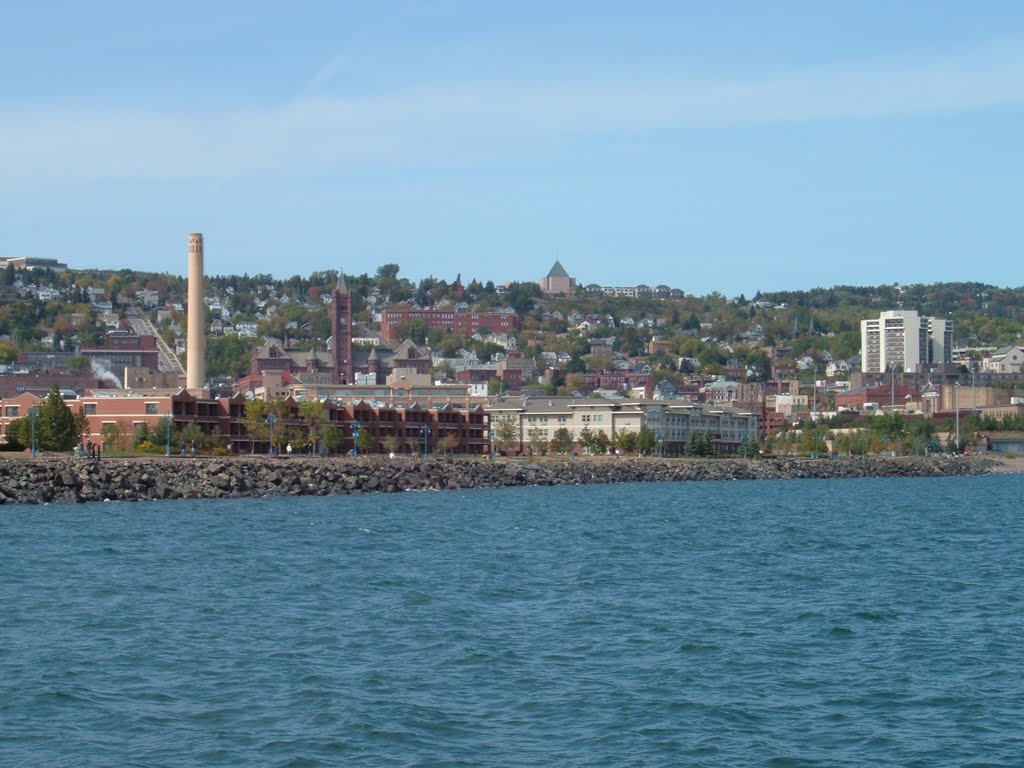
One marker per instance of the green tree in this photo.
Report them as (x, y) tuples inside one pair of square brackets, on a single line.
[(313, 413), (79, 363), (506, 435), (296, 436), (627, 441), (367, 442), (118, 436), (227, 355), (192, 435), (8, 352), (254, 422), (587, 440), (922, 429), (333, 438), (141, 435), (747, 448), (647, 441), (417, 330), (57, 428), (887, 429), (447, 444), (521, 296), (538, 443), (19, 435), (391, 443), (561, 441), (699, 444)]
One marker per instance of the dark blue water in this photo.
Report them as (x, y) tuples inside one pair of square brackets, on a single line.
[(832, 623)]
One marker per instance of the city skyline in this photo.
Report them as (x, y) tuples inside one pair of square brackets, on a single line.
[(727, 149)]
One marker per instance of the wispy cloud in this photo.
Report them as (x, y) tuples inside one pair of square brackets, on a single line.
[(315, 134)]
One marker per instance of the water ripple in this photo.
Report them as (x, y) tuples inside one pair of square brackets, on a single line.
[(849, 623)]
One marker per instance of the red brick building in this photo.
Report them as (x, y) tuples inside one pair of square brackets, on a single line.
[(122, 349), (619, 380), (395, 321), (122, 415)]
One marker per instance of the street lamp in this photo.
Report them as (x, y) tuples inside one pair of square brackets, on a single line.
[(270, 422), (661, 446), (170, 413), (814, 414), (974, 391), (33, 414), (426, 435), (814, 395), (956, 397), (355, 438), (892, 389), (492, 443)]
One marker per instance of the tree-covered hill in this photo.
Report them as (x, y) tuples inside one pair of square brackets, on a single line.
[(41, 307)]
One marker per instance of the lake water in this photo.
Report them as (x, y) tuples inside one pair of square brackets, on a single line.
[(790, 623)]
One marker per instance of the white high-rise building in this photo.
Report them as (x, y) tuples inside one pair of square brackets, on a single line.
[(904, 340), (940, 340)]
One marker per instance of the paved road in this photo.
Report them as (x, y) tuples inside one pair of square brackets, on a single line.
[(141, 325)]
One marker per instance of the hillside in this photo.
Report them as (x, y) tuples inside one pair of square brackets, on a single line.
[(44, 310)]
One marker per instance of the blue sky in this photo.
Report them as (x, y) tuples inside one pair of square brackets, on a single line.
[(730, 147)]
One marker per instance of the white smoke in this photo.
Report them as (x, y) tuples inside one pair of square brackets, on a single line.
[(101, 372)]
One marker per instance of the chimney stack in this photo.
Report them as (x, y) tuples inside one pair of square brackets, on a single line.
[(195, 356)]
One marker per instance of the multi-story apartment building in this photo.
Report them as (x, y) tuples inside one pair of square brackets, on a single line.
[(419, 419), (672, 421), (905, 341), (466, 323)]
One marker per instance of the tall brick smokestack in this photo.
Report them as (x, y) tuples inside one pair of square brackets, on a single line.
[(195, 356)]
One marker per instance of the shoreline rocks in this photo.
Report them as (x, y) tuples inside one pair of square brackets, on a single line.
[(64, 480)]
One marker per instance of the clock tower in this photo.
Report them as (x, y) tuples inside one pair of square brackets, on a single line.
[(341, 330)]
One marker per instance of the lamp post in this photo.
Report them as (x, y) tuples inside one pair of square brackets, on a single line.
[(33, 414), (892, 389), (956, 397), (271, 421), (814, 394), (814, 414), (974, 390), (355, 438), (491, 449), (661, 446), (170, 414), (426, 435), (930, 394)]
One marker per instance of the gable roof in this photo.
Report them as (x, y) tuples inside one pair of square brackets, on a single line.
[(408, 350)]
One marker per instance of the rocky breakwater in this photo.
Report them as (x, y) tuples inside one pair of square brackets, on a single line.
[(55, 480)]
